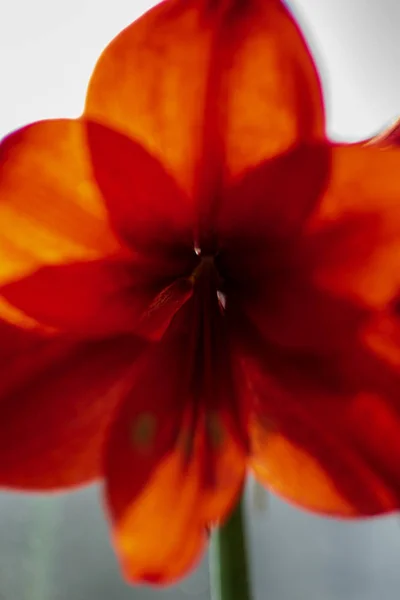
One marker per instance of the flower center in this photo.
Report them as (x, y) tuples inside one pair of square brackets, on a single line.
[(205, 268), (207, 278)]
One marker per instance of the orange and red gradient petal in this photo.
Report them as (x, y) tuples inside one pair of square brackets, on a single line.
[(167, 506), (144, 202), (315, 466), (327, 355), (319, 443), (51, 211), (340, 270), (268, 206), (352, 239), (97, 298), (240, 70), (171, 467), (57, 399)]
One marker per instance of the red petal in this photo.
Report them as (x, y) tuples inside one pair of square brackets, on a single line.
[(260, 223), (324, 345), (321, 283), (171, 467), (352, 241), (51, 211), (209, 87), (331, 447), (264, 211), (55, 229), (57, 398), (145, 205), (99, 298), (291, 313)]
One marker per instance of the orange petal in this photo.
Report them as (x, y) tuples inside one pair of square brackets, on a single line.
[(210, 88), (167, 505), (67, 269), (329, 446), (337, 272), (320, 342), (57, 399), (352, 241), (51, 211), (171, 466)]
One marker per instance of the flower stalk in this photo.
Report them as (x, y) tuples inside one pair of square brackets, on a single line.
[(229, 560)]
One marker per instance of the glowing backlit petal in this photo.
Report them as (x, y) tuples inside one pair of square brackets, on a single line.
[(353, 238), (323, 450), (170, 465), (193, 280), (341, 264), (51, 211), (318, 418), (209, 88)]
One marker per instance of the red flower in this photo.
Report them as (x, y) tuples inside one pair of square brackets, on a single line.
[(194, 281)]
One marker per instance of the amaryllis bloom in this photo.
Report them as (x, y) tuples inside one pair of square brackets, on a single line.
[(195, 282)]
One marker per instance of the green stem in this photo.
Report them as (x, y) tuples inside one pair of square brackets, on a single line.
[(228, 559)]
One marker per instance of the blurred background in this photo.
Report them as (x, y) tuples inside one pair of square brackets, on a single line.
[(57, 547)]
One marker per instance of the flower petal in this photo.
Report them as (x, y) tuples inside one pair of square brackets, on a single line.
[(325, 436), (51, 211), (145, 205), (170, 466), (352, 240), (388, 138), (60, 260), (320, 335), (268, 206), (99, 298), (337, 269), (210, 88), (57, 398)]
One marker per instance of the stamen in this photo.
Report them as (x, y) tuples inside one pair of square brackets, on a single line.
[(221, 299), (206, 264)]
